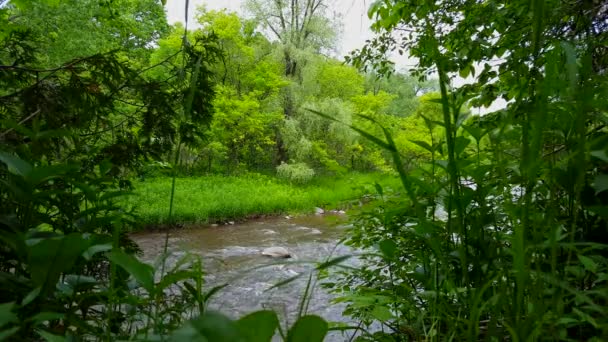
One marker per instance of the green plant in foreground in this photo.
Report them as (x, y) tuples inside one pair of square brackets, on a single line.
[(503, 236)]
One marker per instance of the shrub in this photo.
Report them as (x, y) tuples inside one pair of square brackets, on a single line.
[(298, 173)]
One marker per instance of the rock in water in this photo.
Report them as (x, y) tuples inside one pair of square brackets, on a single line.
[(319, 211), (276, 252)]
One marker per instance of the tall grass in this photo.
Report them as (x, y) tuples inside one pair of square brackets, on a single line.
[(217, 198)]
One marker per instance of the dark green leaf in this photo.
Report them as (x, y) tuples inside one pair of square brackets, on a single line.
[(588, 263), (600, 183), (8, 333), (142, 272), (31, 296), (53, 256), (15, 164), (309, 328), (388, 248), (211, 327), (6, 314), (50, 337), (259, 326)]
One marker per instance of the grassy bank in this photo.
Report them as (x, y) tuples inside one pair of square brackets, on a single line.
[(218, 198)]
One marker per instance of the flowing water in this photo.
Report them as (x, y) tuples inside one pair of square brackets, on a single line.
[(232, 255)]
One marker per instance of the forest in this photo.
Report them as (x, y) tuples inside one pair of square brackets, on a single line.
[(460, 226)]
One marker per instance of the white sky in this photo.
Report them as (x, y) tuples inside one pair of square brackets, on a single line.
[(355, 29), (354, 14)]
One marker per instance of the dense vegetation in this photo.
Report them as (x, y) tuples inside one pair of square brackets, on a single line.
[(498, 232)]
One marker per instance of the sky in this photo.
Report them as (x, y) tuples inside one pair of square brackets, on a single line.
[(355, 30), (355, 23)]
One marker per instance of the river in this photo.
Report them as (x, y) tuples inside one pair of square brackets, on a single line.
[(232, 255)]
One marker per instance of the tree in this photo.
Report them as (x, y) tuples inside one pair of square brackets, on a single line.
[(72, 28), (301, 27)]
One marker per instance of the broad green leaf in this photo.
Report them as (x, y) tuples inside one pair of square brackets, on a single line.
[(15, 164), (8, 333), (50, 337), (600, 183), (308, 328), (6, 314), (259, 326), (388, 248), (142, 272), (211, 327), (600, 154), (461, 144), (381, 313), (50, 257)]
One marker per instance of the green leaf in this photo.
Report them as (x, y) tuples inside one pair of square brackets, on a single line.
[(379, 189), (50, 337), (213, 291), (8, 333), (588, 263), (381, 313), (388, 248), (46, 316), (423, 144), (333, 262), (259, 326), (211, 327), (142, 272), (16, 165), (91, 251), (31, 296), (285, 282), (6, 314), (600, 183), (600, 154), (49, 258), (460, 144), (173, 278), (309, 328)]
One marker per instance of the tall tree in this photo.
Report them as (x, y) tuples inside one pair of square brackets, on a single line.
[(301, 27)]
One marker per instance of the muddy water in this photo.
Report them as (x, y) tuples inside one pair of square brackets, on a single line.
[(232, 255)]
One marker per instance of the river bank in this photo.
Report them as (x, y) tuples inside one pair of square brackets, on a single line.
[(223, 199)]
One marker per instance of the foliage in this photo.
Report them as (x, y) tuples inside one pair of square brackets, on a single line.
[(501, 234), (223, 198), (297, 173)]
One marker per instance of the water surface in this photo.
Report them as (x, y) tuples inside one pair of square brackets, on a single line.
[(232, 254)]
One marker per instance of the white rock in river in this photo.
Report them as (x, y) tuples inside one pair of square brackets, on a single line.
[(276, 252), (319, 211)]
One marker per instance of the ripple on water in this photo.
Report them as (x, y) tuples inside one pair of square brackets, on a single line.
[(232, 255)]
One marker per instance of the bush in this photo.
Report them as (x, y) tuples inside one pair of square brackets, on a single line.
[(298, 173)]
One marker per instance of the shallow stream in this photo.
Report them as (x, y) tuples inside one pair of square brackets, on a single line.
[(232, 255)]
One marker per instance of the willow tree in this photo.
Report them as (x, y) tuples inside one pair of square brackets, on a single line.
[(302, 27)]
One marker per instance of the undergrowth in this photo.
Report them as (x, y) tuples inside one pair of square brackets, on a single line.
[(216, 198)]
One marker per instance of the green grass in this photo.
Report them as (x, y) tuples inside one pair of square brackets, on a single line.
[(217, 198)]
